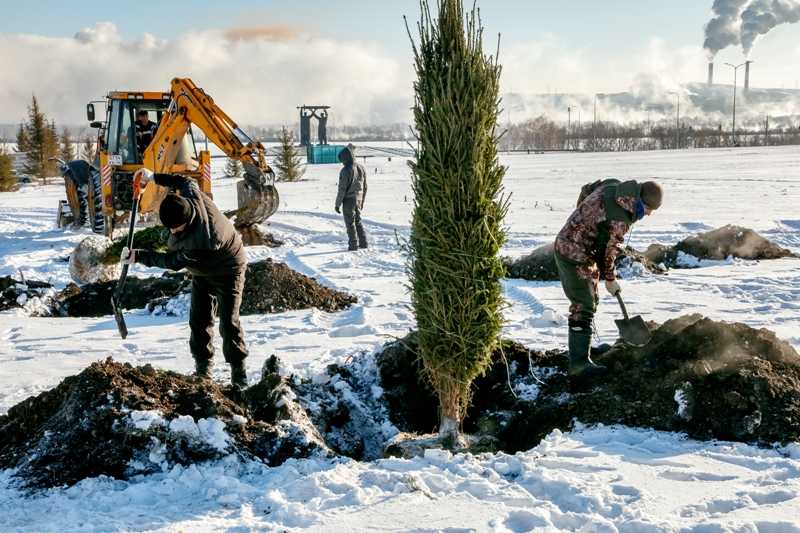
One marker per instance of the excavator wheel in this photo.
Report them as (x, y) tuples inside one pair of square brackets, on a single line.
[(94, 203)]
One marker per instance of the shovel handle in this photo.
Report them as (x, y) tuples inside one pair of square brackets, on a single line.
[(622, 305)]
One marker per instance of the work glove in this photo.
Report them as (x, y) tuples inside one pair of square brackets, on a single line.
[(145, 175), (613, 287), (338, 209), (127, 257)]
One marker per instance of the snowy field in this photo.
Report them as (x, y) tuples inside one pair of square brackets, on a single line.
[(593, 479)]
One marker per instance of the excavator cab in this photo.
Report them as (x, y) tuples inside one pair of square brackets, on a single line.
[(107, 193)]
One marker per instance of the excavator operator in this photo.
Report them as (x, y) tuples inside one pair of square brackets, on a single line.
[(145, 131)]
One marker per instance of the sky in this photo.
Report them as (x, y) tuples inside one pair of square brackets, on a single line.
[(260, 59)]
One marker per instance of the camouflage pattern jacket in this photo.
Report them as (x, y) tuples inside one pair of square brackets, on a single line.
[(596, 230)]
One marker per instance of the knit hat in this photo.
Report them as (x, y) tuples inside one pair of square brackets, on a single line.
[(175, 211), (652, 194)]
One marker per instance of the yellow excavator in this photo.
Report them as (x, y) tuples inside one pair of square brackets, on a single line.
[(100, 194)]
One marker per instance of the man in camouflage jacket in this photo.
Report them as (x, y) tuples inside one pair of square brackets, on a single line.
[(586, 250)]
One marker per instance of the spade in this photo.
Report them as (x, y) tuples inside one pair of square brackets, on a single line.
[(116, 298), (632, 330)]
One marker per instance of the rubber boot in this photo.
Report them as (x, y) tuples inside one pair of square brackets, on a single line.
[(202, 368), (580, 362), (238, 375)]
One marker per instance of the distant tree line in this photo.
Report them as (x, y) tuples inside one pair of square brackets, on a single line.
[(542, 133)]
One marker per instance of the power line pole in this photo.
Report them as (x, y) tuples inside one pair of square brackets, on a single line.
[(594, 126), (569, 123)]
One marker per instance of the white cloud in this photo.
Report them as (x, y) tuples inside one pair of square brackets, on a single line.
[(257, 79)]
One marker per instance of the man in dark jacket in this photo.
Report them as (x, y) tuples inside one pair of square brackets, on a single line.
[(145, 131), (204, 242), (351, 196), (586, 250)]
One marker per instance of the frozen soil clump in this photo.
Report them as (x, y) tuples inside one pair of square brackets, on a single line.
[(118, 420), (719, 244), (540, 265), (712, 380), (270, 287), (17, 294)]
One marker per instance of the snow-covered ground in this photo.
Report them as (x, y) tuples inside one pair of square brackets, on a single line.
[(600, 479)]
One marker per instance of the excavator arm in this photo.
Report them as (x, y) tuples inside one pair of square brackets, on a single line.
[(258, 198)]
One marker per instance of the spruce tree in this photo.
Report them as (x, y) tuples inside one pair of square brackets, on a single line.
[(41, 142), (67, 151), (457, 225), (8, 180), (88, 152), (288, 164), (23, 143), (233, 168)]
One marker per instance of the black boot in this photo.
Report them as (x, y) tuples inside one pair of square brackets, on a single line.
[(580, 362), (238, 375), (202, 368)]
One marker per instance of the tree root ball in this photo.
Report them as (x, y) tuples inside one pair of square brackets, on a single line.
[(87, 262), (712, 380)]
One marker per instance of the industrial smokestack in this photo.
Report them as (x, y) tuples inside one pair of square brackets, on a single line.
[(747, 75), (710, 73)]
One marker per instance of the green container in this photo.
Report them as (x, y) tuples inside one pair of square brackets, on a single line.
[(323, 154)]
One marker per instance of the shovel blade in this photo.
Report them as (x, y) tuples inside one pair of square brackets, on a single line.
[(634, 331), (119, 318)]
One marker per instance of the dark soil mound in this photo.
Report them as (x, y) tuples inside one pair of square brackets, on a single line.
[(155, 238), (719, 244), (708, 379), (270, 287), (117, 420), (150, 238), (13, 293), (94, 299), (540, 265)]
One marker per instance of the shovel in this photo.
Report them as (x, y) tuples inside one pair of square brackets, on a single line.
[(632, 330), (116, 298)]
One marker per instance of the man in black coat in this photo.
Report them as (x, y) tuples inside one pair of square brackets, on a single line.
[(204, 242)]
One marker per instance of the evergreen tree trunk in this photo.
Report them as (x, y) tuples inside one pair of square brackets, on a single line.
[(456, 231)]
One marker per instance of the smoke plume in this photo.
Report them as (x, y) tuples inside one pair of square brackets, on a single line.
[(761, 16), (724, 29)]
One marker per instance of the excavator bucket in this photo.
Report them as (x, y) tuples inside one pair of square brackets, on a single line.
[(255, 204)]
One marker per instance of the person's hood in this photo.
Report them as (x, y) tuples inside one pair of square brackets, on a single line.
[(347, 155)]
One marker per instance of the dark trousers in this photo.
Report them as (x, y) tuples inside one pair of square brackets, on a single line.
[(222, 296), (352, 220), (580, 286)]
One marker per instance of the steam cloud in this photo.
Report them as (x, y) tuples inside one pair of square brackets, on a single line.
[(743, 21), (257, 74)]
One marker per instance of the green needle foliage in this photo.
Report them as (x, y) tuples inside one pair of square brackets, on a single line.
[(457, 227)]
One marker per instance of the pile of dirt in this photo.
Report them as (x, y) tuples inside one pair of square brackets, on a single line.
[(270, 287), (719, 244), (120, 421), (150, 238), (540, 265), (16, 294), (708, 379), (94, 299), (155, 238)]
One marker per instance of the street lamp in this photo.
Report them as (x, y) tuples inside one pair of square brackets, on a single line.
[(677, 119), (735, 71)]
